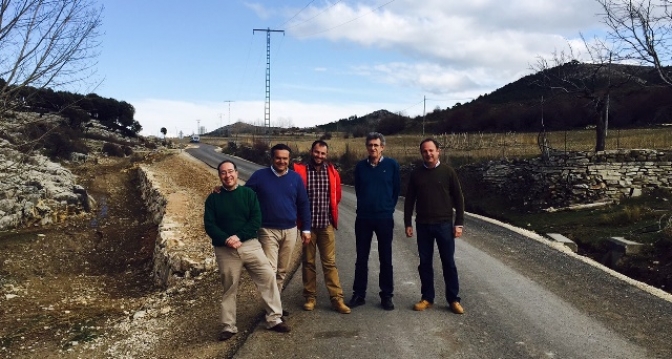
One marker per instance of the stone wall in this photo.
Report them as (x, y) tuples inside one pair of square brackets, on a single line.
[(569, 178), (176, 252)]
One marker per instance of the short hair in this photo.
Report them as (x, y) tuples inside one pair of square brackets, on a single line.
[(280, 147), (436, 143), (375, 136), (227, 161), (319, 142)]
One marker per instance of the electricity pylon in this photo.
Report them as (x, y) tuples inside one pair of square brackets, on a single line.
[(267, 107)]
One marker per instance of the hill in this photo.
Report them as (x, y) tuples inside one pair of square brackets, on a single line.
[(566, 97)]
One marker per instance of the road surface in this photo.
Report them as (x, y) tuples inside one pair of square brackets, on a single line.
[(522, 299)]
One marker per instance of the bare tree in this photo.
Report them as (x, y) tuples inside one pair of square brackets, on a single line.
[(592, 81), (644, 29), (44, 44)]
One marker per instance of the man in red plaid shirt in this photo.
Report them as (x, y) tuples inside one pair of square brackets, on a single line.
[(323, 184)]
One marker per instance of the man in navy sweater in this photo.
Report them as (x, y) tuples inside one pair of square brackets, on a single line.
[(282, 196), (377, 186)]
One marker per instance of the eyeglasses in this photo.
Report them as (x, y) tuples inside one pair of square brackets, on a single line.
[(374, 145)]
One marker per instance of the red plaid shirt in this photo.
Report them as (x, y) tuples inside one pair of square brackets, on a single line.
[(318, 195)]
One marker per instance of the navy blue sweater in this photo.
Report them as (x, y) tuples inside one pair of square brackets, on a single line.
[(377, 188), (281, 199)]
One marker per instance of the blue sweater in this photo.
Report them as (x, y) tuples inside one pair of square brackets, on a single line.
[(377, 188), (281, 199)]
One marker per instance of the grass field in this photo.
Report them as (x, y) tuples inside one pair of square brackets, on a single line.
[(464, 148)]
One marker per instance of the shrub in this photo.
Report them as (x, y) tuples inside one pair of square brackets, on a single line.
[(112, 149)]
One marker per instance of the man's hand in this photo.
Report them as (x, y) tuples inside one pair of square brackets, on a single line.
[(234, 242), (305, 237), (409, 231), (458, 232), (217, 189)]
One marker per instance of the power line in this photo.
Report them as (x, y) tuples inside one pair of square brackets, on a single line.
[(297, 14), (355, 19), (318, 14)]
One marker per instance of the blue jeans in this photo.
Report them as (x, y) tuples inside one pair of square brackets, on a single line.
[(364, 230), (445, 241)]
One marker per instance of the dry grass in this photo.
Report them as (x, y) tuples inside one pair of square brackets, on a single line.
[(465, 148)]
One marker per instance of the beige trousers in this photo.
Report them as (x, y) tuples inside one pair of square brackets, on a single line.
[(231, 262), (278, 244)]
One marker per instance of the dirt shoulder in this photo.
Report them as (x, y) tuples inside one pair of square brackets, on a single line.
[(84, 288)]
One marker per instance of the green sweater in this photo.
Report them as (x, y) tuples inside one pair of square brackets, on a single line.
[(434, 192), (232, 212)]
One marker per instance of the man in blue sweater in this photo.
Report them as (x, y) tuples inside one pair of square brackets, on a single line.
[(284, 203), (377, 186)]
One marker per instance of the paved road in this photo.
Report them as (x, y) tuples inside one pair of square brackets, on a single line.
[(523, 299)]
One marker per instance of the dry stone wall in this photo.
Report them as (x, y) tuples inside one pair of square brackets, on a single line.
[(180, 251), (569, 178)]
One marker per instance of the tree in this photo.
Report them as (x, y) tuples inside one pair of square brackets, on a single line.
[(164, 131), (644, 30), (591, 81), (44, 44)]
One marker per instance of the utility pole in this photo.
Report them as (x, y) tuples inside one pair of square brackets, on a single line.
[(198, 127), (424, 108), (267, 107), (229, 101)]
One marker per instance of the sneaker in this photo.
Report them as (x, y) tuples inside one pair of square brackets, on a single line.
[(281, 327), (309, 304), (339, 306), (422, 305), (456, 308), (356, 301), (387, 303), (225, 335)]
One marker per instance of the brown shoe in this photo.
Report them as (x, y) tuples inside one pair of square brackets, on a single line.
[(456, 308), (309, 304), (281, 327), (422, 305), (339, 306)]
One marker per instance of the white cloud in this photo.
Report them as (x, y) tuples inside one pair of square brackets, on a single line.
[(476, 43)]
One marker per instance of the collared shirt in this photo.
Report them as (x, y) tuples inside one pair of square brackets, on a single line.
[(318, 195), (368, 160), (438, 162), (279, 174)]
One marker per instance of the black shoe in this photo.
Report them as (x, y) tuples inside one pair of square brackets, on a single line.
[(356, 301), (387, 303), (285, 313), (224, 335), (281, 327)]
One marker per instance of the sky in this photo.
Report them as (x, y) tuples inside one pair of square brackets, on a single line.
[(184, 64)]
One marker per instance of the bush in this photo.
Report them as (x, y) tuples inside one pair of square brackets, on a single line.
[(112, 149), (326, 136), (62, 142)]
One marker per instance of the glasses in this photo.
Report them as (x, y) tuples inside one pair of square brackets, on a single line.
[(374, 145)]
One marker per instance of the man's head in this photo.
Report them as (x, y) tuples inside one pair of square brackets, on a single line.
[(228, 174), (280, 157), (429, 149), (318, 152), (375, 143)]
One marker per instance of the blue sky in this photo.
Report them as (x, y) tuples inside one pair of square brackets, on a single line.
[(179, 62)]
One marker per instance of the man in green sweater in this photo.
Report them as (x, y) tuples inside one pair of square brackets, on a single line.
[(232, 218), (435, 191)]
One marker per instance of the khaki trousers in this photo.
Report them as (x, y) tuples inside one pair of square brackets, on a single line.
[(324, 240), (231, 262), (278, 245)]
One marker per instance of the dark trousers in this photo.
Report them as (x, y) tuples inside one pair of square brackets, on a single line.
[(364, 230), (445, 241)]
